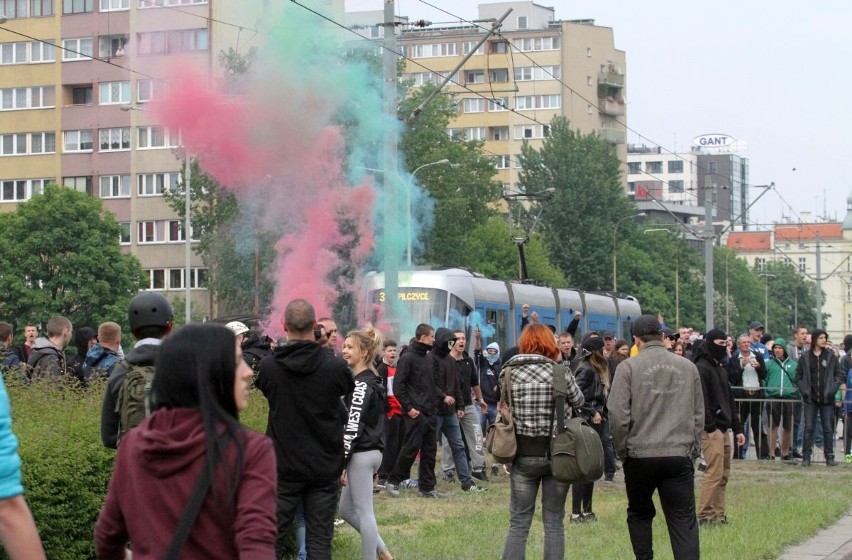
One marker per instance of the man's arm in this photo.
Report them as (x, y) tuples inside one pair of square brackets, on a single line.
[(575, 322), (109, 418), (18, 531), (618, 409)]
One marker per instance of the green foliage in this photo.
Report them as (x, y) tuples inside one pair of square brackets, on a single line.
[(588, 201), (60, 255)]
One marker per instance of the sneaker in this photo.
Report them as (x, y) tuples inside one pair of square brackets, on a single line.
[(589, 517), (849, 457), (381, 483), (480, 475), (830, 462), (797, 454), (787, 457), (577, 518), (338, 522), (495, 470), (474, 488), (449, 476), (430, 494), (806, 462), (392, 490), (410, 483)]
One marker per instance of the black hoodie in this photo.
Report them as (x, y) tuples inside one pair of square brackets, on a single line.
[(304, 384), (720, 412), (414, 382)]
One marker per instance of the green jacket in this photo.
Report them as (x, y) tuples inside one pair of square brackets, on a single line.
[(781, 375)]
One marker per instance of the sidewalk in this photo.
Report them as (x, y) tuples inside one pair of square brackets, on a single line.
[(834, 543)]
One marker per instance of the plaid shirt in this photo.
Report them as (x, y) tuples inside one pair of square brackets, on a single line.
[(532, 394)]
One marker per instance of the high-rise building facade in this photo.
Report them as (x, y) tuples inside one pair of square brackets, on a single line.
[(76, 77)]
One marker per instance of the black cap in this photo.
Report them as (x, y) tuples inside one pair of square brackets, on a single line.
[(646, 324), (606, 334), (593, 344), (668, 332), (755, 325)]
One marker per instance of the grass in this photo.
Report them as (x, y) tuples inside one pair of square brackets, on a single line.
[(770, 505)]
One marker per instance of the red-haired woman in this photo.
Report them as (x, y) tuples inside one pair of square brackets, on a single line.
[(531, 375)]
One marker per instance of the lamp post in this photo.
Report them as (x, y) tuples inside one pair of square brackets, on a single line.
[(766, 276), (615, 248), (408, 213), (727, 296)]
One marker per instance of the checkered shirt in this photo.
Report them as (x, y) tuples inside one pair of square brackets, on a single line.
[(532, 393)]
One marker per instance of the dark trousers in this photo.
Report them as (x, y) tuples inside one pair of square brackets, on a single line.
[(826, 416), (609, 452), (320, 503), (394, 438), (673, 478), (420, 436), (752, 411)]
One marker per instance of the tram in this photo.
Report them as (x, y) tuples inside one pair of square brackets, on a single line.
[(459, 298)]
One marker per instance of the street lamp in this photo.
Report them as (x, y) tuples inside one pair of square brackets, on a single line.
[(766, 275), (727, 294), (615, 248), (187, 236), (408, 213)]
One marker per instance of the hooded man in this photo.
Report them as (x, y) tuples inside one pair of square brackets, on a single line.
[(488, 364), (720, 416), (781, 384)]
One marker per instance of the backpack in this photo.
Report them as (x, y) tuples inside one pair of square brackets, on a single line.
[(134, 397), (576, 451)]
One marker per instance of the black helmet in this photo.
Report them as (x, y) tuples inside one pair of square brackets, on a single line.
[(149, 309)]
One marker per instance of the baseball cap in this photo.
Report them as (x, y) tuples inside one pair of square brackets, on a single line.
[(646, 324), (755, 325), (238, 327)]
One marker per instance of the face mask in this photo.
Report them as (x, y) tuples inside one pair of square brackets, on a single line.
[(718, 352), (492, 358)]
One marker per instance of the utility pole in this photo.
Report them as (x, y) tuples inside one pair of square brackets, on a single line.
[(390, 165), (709, 235), (818, 284)]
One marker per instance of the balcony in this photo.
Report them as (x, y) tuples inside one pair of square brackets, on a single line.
[(612, 106), (611, 78), (613, 136)]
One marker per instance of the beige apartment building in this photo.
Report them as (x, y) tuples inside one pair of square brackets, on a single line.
[(537, 68), (75, 78)]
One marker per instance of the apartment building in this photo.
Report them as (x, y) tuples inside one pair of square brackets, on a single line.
[(513, 85), (75, 78)]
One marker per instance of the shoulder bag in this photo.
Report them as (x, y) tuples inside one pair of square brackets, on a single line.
[(500, 440)]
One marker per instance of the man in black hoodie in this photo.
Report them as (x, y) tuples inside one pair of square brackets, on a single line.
[(415, 389), (304, 384), (720, 416)]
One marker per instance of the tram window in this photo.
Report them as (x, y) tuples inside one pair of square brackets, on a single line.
[(459, 311), (498, 319)]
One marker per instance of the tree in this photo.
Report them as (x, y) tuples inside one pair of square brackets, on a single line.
[(588, 200), (60, 255)]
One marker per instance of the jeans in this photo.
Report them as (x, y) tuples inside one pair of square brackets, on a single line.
[(420, 436), (472, 433), (526, 476), (798, 425), (673, 478), (448, 424), (826, 413), (320, 501), (488, 418), (301, 534)]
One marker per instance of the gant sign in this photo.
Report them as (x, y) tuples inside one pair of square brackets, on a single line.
[(714, 141)]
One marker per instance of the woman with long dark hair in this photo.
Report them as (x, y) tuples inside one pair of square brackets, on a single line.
[(592, 375), (201, 386), (363, 440), (531, 375)]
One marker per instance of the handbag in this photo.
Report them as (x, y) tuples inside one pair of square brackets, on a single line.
[(500, 438), (576, 452)]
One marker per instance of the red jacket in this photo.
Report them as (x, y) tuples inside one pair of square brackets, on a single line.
[(156, 469)]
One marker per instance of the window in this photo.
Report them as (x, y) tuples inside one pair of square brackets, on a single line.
[(498, 76), (79, 184), (473, 105), (175, 231), (423, 78), (115, 186), (676, 166), (13, 8), (149, 90), (467, 46), (42, 51), (531, 131), (522, 22), (111, 46), (589, 109), (38, 97), (538, 102), (13, 144), (114, 93), (499, 132), (848, 293), (634, 167), (676, 186), (14, 53), (154, 137), (113, 5), (653, 167), (114, 139), (82, 95), (631, 187), (39, 8), (474, 77), (165, 42), (156, 279), (503, 162), (711, 167), (124, 236), (476, 133), (77, 6), (849, 321), (176, 278), (537, 44), (43, 143), (16, 190), (77, 49), (152, 184), (498, 104), (499, 47), (199, 278), (589, 52), (803, 264), (147, 232), (588, 80), (77, 141), (535, 73), (161, 3), (759, 263)]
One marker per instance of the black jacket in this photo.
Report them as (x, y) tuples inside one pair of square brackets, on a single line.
[(255, 348), (488, 377), (592, 387), (468, 378), (304, 385), (414, 382), (817, 382), (447, 383), (720, 411), (367, 405), (144, 355)]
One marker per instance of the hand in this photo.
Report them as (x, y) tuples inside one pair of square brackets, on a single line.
[(503, 408), (476, 334), (525, 308), (413, 413), (578, 314), (344, 481), (740, 440), (483, 406), (460, 414), (534, 317), (449, 400), (597, 418)]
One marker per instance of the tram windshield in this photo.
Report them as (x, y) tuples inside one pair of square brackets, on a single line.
[(419, 305)]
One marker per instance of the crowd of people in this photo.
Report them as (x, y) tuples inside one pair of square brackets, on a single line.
[(348, 420)]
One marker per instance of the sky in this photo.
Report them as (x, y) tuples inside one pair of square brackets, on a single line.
[(770, 73)]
